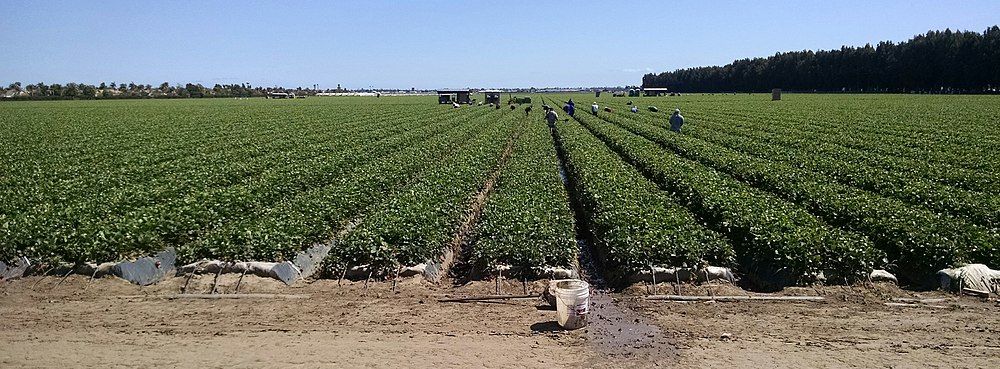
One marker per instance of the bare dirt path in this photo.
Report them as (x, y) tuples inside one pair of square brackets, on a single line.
[(115, 324), (853, 328)]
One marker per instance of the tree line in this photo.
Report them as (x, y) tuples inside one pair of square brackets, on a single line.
[(936, 62), (56, 91)]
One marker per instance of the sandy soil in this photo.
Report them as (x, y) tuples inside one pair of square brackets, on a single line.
[(111, 323), (853, 328)]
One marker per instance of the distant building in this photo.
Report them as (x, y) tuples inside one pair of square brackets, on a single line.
[(655, 91), (12, 93), (491, 96), (461, 96), (280, 95)]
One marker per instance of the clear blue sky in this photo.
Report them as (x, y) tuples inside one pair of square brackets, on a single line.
[(430, 44)]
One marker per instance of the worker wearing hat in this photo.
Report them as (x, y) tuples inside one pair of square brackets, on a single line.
[(676, 121)]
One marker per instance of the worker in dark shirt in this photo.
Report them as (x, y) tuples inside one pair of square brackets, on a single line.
[(551, 116)]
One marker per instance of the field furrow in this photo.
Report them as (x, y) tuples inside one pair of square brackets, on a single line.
[(918, 242), (527, 222), (634, 224), (776, 242)]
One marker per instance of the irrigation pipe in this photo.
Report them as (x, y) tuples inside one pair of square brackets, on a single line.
[(204, 296), (908, 305), (489, 298), (733, 298)]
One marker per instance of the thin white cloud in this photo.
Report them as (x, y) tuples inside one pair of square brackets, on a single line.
[(636, 70)]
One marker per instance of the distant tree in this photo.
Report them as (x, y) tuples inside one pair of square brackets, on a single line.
[(195, 90), (72, 90), (938, 61), (42, 89), (87, 91)]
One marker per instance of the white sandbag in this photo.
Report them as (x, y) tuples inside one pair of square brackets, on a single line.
[(559, 273), (411, 271), (975, 277), (203, 266), (360, 272), (661, 274), (357, 272), (284, 271), (880, 275), (712, 273), (94, 269)]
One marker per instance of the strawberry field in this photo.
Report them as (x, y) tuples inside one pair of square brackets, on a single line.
[(820, 185), (814, 187)]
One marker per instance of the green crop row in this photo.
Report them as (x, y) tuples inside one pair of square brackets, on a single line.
[(184, 181), (415, 225), (918, 242), (846, 167), (952, 133), (318, 213), (952, 164), (635, 225), (526, 222), (181, 216), (776, 242)]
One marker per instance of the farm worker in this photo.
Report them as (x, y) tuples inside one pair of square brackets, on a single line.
[(594, 108), (635, 109), (570, 108), (551, 116), (454, 105), (676, 121)]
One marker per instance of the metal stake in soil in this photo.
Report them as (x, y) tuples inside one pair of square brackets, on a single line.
[(215, 283), (91, 280), (188, 280), (677, 282), (368, 279), (652, 273), (43, 277), (62, 279), (395, 279), (240, 281)]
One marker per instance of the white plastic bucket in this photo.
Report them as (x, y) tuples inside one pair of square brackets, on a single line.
[(550, 292), (572, 303)]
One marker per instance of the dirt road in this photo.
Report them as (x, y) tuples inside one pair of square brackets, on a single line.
[(114, 324)]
